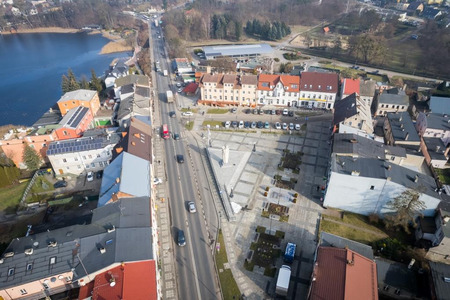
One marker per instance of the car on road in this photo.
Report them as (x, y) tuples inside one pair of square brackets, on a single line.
[(192, 208), (176, 136), (157, 180), (266, 125), (90, 176), (180, 158), (291, 126), (187, 113), (297, 127), (234, 124), (178, 84), (277, 125), (253, 125), (99, 174), (260, 124), (60, 184), (180, 90), (181, 239), (285, 112), (234, 110), (290, 113), (241, 124), (246, 124), (172, 114), (284, 126), (227, 124)]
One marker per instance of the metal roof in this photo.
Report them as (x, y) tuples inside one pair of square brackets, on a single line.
[(439, 272), (438, 121), (440, 105), (235, 50), (402, 127)]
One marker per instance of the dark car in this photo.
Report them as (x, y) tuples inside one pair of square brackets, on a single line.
[(60, 184), (234, 124), (180, 159), (176, 136), (172, 114), (99, 174), (290, 113), (248, 110), (234, 110), (260, 124), (246, 124), (181, 240)]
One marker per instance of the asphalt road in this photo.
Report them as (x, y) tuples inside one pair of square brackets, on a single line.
[(194, 262)]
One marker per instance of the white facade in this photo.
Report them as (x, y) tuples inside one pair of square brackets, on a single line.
[(279, 96), (317, 99)]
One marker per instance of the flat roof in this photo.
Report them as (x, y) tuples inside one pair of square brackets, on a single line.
[(233, 50), (82, 95)]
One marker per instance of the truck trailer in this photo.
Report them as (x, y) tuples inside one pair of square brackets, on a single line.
[(169, 96), (284, 276), (290, 252)]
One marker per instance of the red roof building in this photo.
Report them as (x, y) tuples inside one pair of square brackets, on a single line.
[(279, 90), (343, 274), (129, 281), (318, 90), (350, 86)]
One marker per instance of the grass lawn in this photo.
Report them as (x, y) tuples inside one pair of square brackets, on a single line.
[(348, 232), (213, 124), (10, 197), (230, 289), (357, 220), (217, 111), (189, 125), (444, 175), (42, 187)]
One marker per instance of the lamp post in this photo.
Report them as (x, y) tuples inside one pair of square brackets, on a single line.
[(231, 193)]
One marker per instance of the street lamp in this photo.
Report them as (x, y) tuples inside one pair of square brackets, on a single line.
[(254, 147), (231, 194)]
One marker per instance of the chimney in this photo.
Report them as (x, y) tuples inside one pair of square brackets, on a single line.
[(401, 118), (389, 167), (416, 178), (355, 173), (438, 148), (102, 250), (406, 136)]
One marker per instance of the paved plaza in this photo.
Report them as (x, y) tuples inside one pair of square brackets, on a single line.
[(249, 172)]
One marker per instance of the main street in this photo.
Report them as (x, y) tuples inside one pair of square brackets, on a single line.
[(196, 273)]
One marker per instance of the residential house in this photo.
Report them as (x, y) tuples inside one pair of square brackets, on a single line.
[(343, 274), (391, 103), (126, 176), (331, 240), (278, 90), (399, 130), (136, 140), (367, 90), (435, 153), (228, 89), (350, 86), (73, 99), (434, 125), (61, 259), (415, 7), (440, 105), (440, 275), (353, 112), (120, 69), (81, 155), (138, 104), (374, 182), (13, 143), (436, 230), (431, 13), (74, 123), (181, 65), (318, 90)]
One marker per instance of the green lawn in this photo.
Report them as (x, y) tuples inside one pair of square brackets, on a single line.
[(357, 220), (10, 197), (217, 111), (42, 190), (348, 232), (213, 124), (444, 175), (230, 289)]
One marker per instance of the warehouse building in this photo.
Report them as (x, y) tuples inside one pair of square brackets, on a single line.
[(253, 50)]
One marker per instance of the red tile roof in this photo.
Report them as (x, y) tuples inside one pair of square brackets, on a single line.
[(343, 274), (191, 88), (265, 82), (350, 86), (319, 82), (131, 281)]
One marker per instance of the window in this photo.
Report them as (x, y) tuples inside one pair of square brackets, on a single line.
[(90, 156), (11, 272), (29, 267), (44, 145), (23, 291), (87, 166), (93, 165), (65, 132), (79, 167), (45, 286), (303, 95), (226, 98), (372, 187)]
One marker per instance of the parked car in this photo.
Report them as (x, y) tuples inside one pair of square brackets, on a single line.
[(290, 113), (192, 208), (255, 111), (187, 113), (157, 180), (241, 124), (277, 125), (99, 174), (180, 90), (248, 110), (253, 125), (266, 125), (246, 124), (285, 112), (180, 159), (227, 124), (284, 126), (178, 84), (234, 124), (260, 124), (181, 240), (291, 126), (261, 112), (297, 127), (273, 112), (60, 184), (234, 110), (90, 176)]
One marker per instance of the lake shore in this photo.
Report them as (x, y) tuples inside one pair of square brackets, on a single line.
[(116, 44)]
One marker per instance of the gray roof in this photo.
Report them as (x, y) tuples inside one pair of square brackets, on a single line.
[(136, 79), (236, 50), (130, 241), (134, 177), (82, 144), (435, 147), (73, 118), (439, 271), (367, 88), (127, 88), (440, 105), (402, 127), (135, 104), (48, 118), (82, 95), (142, 91), (396, 275), (380, 169), (345, 108), (331, 240), (438, 121), (395, 99)]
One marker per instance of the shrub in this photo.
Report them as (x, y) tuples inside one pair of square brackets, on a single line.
[(276, 59), (265, 194), (295, 195), (267, 188)]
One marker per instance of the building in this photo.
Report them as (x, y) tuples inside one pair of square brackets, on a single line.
[(440, 274), (318, 90), (278, 90), (396, 280), (440, 105), (137, 104), (136, 140), (367, 89), (181, 66), (126, 176), (435, 229), (391, 103), (44, 264), (399, 130), (86, 98), (228, 89), (353, 112), (120, 69), (79, 156), (74, 123), (343, 274), (141, 80), (431, 13), (374, 182), (350, 86), (435, 153), (434, 125), (251, 50), (331, 240)]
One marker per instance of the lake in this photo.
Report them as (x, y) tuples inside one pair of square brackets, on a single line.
[(31, 67)]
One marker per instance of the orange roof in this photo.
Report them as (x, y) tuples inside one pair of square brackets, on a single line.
[(350, 86), (267, 82), (131, 281), (343, 274), (326, 29)]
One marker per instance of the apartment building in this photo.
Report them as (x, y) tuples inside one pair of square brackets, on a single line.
[(73, 99), (318, 90), (278, 90)]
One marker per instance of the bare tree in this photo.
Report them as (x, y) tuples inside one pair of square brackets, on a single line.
[(407, 207)]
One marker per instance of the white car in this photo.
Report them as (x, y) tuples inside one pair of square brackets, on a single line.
[(178, 84), (277, 125), (192, 208), (157, 180), (180, 90), (241, 124), (187, 113), (291, 126), (285, 112), (285, 127), (227, 124), (90, 176), (297, 126)]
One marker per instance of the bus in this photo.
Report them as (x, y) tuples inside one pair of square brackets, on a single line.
[(165, 131)]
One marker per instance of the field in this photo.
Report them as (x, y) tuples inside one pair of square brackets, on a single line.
[(11, 197)]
